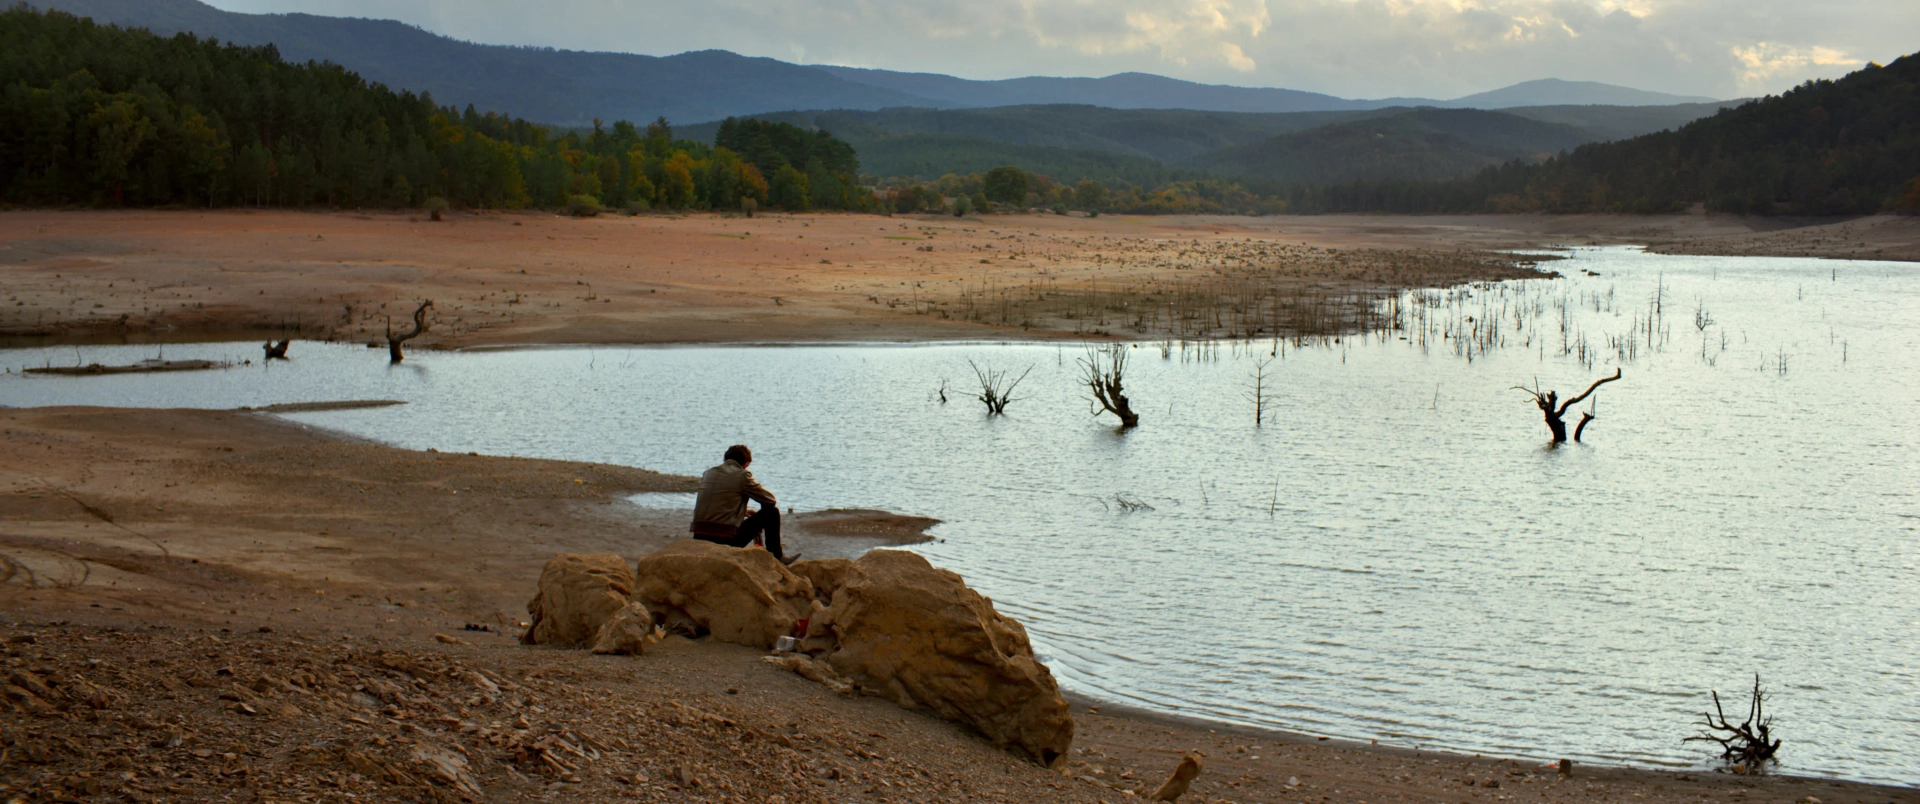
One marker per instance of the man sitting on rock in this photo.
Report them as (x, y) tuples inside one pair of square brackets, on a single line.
[(720, 512)]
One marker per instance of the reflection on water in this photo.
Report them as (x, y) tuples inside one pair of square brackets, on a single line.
[(1396, 554)]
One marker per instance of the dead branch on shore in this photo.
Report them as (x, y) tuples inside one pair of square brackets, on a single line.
[(995, 391), (419, 326), (1554, 411), (1747, 747), (1102, 371)]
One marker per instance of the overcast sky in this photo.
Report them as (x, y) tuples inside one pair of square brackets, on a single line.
[(1352, 48)]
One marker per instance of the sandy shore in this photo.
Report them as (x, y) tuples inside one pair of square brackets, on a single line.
[(184, 564), (537, 278)]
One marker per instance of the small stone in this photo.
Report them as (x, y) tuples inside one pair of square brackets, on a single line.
[(450, 640), (1183, 775), (202, 753)]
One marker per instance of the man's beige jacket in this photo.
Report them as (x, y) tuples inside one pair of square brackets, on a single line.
[(722, 504)]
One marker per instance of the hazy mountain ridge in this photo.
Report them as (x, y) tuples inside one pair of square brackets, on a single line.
[(559, 87), (1419, 145), (1071, 143), (1146, 91), (573, 87)]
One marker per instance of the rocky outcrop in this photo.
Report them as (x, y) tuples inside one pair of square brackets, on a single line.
[(746, 597), (916, 634), (579, 592), (888, 624)]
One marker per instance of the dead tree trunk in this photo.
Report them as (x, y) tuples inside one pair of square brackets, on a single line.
[(276, 351), (1257, 392), (1555, 411), (1750, 746), (1103, 372), (419, 326), (995, 391)]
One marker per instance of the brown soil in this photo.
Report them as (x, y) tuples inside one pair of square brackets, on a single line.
[(222, 606), (536, 278)]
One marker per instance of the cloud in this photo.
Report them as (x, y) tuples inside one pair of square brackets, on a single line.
[(1356, 48), (1764, 61)]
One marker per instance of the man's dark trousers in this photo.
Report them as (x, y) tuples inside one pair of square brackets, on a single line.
[(764, 521)]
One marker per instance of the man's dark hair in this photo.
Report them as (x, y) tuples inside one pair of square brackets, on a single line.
[(739, 454)]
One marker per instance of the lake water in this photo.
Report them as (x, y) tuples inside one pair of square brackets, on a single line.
[(1397, 554)]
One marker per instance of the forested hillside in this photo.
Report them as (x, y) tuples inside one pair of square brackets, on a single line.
[(1424, 144), (1844, 147), (96, 115)]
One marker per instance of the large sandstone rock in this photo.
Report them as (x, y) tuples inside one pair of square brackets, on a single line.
[(578, 594), (918, 635), (746, 597)]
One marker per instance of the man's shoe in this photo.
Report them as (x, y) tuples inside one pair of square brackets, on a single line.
[(790, 558)]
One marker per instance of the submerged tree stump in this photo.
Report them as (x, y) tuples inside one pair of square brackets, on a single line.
[(419, 325), (1555, 411), (1103, 370)]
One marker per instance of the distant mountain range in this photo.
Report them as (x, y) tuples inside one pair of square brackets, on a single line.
[(572, 88), (1148, 146)]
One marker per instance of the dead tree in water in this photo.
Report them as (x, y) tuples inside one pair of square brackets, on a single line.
[(995, 391), (1749, 746), (1257, 392), (276, 351), (1102, 371), (419, 326), (1554, 411)]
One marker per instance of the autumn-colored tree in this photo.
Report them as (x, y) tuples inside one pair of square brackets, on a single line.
[(1007, 185), (1090, 195), (677, 191)]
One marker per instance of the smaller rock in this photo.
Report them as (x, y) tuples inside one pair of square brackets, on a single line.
[(813, 669), (31, 683), (1183, 775), (450, 640), (449, 768), (30, 703), (627, 633)]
